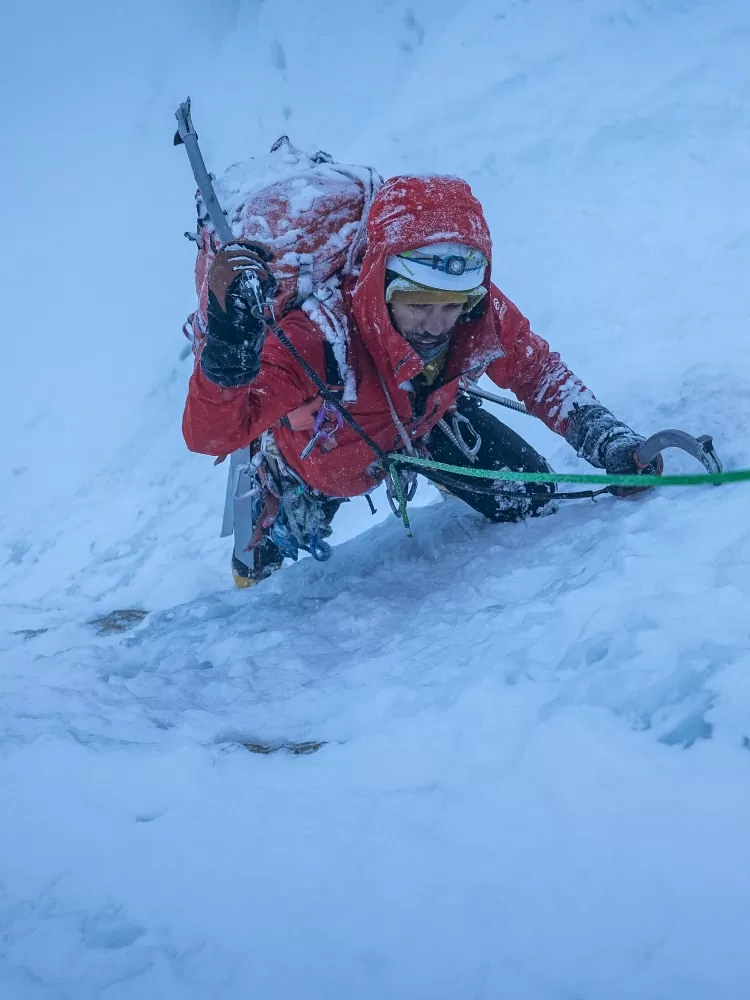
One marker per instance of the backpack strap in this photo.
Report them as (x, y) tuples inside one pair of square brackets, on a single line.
[(333, 376)]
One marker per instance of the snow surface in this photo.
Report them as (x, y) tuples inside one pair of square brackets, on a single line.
[(534, 782)]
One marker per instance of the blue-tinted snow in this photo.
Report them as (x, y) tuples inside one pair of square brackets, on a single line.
[(535, 777)]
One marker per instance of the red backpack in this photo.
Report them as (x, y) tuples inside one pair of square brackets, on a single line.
[(312, 214)]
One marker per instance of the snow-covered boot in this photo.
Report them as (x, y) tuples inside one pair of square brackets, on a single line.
[(264, 561)]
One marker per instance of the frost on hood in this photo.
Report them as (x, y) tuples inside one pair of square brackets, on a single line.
[(413, 210), (325, 307)]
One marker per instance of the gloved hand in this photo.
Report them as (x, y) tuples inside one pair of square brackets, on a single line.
[(599, 437), (239, 271), (239, 283), (619, 460)]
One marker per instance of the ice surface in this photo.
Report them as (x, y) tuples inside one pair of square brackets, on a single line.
[(535, 738)]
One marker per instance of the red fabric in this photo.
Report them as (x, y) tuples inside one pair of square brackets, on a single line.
[(334, 198), (407, 212)]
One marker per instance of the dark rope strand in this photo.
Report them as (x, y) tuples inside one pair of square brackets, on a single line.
[(325, 392)]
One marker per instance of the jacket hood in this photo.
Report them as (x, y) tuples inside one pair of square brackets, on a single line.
[(410, 212)]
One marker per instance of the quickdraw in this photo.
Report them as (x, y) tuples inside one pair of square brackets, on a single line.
[(328, 420)]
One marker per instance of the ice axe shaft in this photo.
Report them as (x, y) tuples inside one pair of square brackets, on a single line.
[(512, 404), (187, 135), (238, 519)]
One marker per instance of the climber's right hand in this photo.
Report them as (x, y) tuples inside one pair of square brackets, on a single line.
[(240, 283), (240, 269)]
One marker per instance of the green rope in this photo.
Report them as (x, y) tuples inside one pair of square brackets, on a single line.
[(714, 478), (398, 489)]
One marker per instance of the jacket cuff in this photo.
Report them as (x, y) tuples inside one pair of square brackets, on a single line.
[(591, 430)]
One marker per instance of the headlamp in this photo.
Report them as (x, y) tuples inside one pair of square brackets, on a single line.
[(454, 264), (447, 265)]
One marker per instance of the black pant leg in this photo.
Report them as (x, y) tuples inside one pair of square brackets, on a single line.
[(502, 448)]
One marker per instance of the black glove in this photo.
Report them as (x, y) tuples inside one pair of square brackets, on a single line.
[(599, 437), (239, 284)]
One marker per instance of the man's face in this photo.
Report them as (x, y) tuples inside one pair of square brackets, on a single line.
[(424, 326)]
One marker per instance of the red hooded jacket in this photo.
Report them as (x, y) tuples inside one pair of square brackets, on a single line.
[(407, 212)]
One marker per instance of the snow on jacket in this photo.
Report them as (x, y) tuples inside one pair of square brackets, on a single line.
[(407, 212)]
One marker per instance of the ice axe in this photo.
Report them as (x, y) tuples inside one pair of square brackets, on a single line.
[(240, 493), (238, 515), (264, 311), (187, 136), (701, 447)]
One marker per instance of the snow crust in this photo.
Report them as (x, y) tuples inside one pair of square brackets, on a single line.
[(534, 766)]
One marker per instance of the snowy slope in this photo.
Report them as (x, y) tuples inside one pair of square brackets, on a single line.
[(533, 777)]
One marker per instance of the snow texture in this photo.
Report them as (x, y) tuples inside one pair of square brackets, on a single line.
[(326, 309), (527, 745)]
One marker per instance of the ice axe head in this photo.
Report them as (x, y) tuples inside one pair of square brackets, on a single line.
[(184, 123), (701, 448)]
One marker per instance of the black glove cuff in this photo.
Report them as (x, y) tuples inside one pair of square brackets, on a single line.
[(230, 365), (235, 325), (593, 429), (234, 341)]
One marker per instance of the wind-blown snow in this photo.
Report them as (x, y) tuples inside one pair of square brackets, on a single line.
[(534, 771)]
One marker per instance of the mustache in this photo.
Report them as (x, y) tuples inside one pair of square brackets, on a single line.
[(429, 347), (424, 335)]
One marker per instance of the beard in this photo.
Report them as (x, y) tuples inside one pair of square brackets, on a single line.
[(427, 347)]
